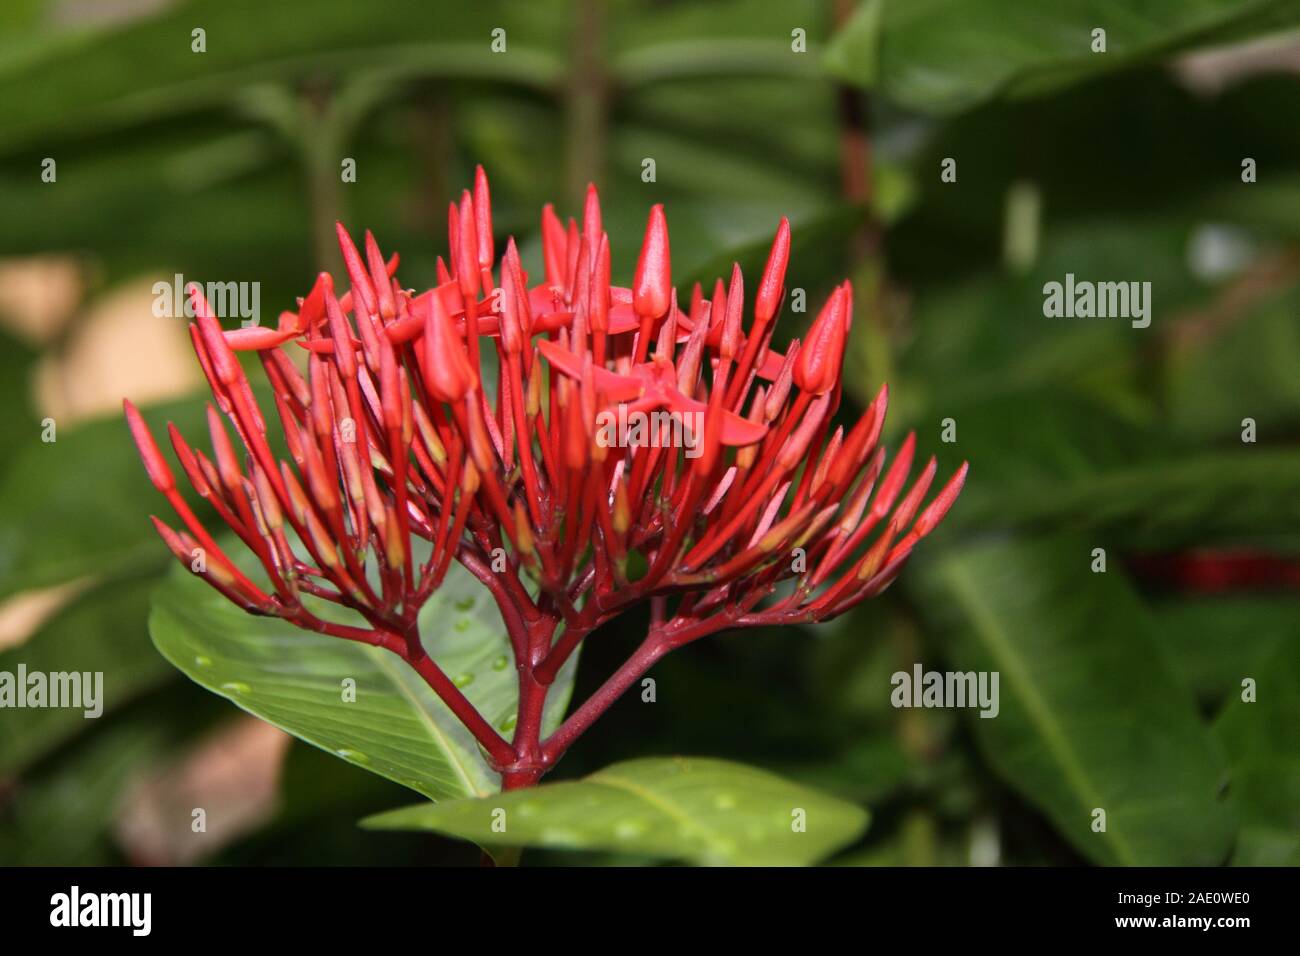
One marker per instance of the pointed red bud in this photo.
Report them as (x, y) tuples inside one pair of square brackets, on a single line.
[(483, 223), (453, 235), (448, 374), (512, 301), (894, 478), (780, 390), (379, 276), (697, 303), (390, 393), (591, 222), (653, 281), (599, 295), (356, 272), (467, 271), (312, 311), (797, 444), (173, 541), (514, 271), (344, 354), (772, 285), (189, 462), (554, 247), (224, 449), (730, 340), (221, 357), (717, 313), (817, 368), (937, 508), (160, 473)]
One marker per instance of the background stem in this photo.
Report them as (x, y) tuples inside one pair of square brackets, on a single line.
[(585, 100)]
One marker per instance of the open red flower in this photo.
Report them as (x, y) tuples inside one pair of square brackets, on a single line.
[(628, 451)]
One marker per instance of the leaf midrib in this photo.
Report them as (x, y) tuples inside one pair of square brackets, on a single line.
[(658, 802), (440, 738), (1040, 712)]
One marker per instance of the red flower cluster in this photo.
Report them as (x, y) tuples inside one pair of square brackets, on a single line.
[(394, 430)]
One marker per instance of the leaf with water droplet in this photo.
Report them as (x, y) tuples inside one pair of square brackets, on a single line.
[(397, 727), (698, 809)]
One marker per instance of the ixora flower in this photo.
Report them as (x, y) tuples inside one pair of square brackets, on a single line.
[(628, 451)]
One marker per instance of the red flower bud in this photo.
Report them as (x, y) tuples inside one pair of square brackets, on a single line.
[(591, 222), (356, 271), (467, 271), (818, 367), (447, 372), (653, 282), (383, 286), (483, 222), (160, 473), (772, 285)]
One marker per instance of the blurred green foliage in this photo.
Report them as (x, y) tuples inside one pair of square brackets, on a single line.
[(1117, 693)]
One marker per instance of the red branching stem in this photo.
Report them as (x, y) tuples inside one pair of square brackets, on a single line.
[(659, 641), (642, 659)]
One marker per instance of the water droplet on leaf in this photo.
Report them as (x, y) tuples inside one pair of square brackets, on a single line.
[(629, 829)]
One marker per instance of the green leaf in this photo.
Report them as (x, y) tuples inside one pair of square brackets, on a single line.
[(1092, 713), (988, 335), (1046, 459), (1245, 369), (103, 632), (1215, 639), (64, 815), (1191, 147), (80, 504), (66, 810), (660, 44), (146, 70), (19, 422), (1264, 755), (944, 56), (855, 50), (1174, 501), (397, 727), (698, 809)]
